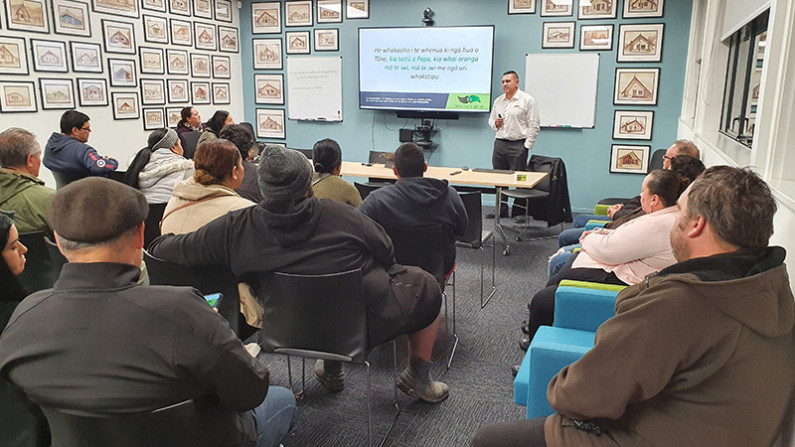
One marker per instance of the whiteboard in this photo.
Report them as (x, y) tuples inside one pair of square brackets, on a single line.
[(564, 86), (314, 88)]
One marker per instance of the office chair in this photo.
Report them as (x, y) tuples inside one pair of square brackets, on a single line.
[(39, 273), (475, 238)]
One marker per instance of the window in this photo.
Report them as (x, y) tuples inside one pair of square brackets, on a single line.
[(743, 76)]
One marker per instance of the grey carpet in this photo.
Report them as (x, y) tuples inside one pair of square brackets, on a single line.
[(481, 385)]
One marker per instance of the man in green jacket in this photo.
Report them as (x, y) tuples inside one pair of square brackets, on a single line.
[(21, 190)]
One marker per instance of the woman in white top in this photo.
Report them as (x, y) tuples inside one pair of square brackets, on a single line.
[(157, 168)]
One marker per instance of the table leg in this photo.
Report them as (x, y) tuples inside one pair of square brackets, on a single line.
[(497, 226)]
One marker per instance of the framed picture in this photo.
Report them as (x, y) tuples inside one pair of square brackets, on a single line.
[(221, 93), (203, 8), (298, 13), (267, 54), (13, 56), (118, 37), (206, 36), (70, 17), (152, 60), (57, 93), (636, 86), (127, 8), (228, 39), (297, 42), (629, 159), (632, 124), (179, 7), (200, 65), (155, 29), (643, 8), (17, 97), (181, 33), (269, 89), (177, 62), (178, 90), (86, 57), (558, 35), (173, 115), (596, 37), (640, 43), (153, 92), (49, 55), (329, 11), (125, 106), (327, 39), (223, 11), (266, 18), (122, 73), (221, 66), (27, 15), (553, 8), (521, 6), (154, 5), (92, 92), (598, 9), (200, 92), (357, 9), (270, 123), (154, 119)]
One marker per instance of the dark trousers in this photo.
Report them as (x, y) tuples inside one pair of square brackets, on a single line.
[(509, 154), (520, 433), (542, 306)]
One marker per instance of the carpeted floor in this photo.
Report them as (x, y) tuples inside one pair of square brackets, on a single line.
[(481, 385)]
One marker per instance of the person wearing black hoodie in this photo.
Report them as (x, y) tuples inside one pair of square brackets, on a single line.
[(415, 201), (68, 152)]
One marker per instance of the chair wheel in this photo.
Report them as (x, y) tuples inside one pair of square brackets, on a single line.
[(506, 252)]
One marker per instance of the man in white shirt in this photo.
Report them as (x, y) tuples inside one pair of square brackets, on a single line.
[(514, 117)]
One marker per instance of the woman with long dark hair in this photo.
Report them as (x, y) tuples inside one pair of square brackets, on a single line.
[(215, 124), (157, 168), (12, 263)]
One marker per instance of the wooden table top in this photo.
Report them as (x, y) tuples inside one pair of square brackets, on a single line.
[(357, 169)]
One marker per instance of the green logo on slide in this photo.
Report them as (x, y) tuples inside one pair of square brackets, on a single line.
[(468, 99)]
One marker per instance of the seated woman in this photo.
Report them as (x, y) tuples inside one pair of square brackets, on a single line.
[(326, 181), (214, 126), (210, 193), (190, 121), (247, 145), (12, 264), (157, 168), (625, 255)]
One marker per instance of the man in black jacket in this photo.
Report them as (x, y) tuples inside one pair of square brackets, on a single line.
[(99, 344)]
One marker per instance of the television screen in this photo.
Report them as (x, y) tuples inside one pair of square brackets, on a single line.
[(434, 69)]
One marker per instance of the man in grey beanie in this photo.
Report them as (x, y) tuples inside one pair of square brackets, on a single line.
[(290, 231)]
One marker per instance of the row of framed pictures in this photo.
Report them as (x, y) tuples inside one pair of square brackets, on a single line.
[(59, 93), (267, 53), (179, 32), (72, 17), (266, 17), (636, 43), (590, 9)]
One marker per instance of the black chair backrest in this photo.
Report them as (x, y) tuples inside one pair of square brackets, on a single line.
[(38, 273), (207, 279), (547, 166), (474, 233), (421, 247), (21, 424), (179, 425), (250, 128), (657, 159), (190, 140), (307, 152), (314, 315), (152, 222), (64, 178), (57, 260), (366, 188)]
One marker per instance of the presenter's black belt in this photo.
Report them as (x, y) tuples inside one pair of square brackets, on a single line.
[(505, 139)]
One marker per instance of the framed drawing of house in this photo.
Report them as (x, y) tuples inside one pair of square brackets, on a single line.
[(329, 11), (177, 62), (327, 39), (203, 8), (118, 37), (17, 97), (92, 92), (267, 54), (556, 8), (86, 57), (173, 115), (640, 43), (221, 67), (179, 7), (596, 37), (223, 11), (629, 159), (636, 86), (200, 65), (27, 15), (221, 93), (357, 9), (153, 91), (266, 18), (298, 13), (633, 124), (200, 92), (181, 33), (270, 123), (558, 35), (70, 17), (269, 89), (127, 8), (49, 55), (206, 36), (521, 6), (152, 60), (598, 9), (13, 56), (122, 73), (155, 29), (643, 8), (125, 105), (178, 91), (154, 118), (228, 39), (57, 94), (297, 42), (154, 5)]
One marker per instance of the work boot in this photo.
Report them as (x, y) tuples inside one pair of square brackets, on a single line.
[(416, 381), (329, 373)]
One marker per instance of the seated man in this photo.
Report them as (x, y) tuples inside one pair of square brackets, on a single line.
[(290, 231), (98, 344), (416, 201), (21, 190), (700, 353), (68, 152)]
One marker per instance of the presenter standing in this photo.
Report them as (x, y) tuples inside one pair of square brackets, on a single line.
[(514, 117)]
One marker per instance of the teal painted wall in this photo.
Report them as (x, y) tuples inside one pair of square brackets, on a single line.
[(468, 141)]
